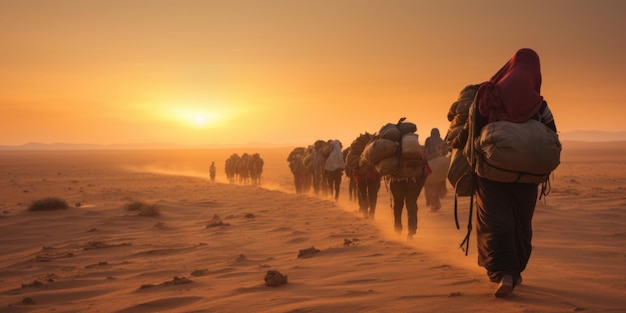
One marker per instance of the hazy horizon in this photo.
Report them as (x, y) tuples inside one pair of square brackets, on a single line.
[(574, 136)]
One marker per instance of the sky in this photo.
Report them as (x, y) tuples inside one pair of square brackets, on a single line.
[(290, 72)]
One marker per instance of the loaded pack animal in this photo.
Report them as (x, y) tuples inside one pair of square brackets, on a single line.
[(310, 168), (319, 154), (296, 165), (334, 168), (244, 169), (352, 189), (230, 167), (366, 176), (256, 168)]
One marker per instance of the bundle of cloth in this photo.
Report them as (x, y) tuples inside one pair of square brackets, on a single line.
[(397, 152)]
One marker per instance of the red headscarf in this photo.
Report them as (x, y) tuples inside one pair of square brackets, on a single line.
[(514, 93)]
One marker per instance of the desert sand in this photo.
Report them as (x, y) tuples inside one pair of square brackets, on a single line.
[(213, 243)]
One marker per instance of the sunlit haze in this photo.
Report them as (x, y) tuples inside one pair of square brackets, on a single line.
[(290, 72)]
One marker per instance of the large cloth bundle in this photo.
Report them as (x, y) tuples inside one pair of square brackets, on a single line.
[(353, 160), (358, 145), (517, 152), (439, 169), (295, 159), (356, 148), (459, 112), (388, 158), (379, 149), (335, 158), (407, 128), (390, 131), (388, 166), (411, 149), (396, 131), (461, 175)]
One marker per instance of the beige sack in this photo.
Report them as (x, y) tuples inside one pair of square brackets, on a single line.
[(379, 149), (439, 169), (411, 149), (507, 151), (388, 166)]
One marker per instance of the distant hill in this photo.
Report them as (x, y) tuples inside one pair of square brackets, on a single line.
[(131, 146), (84, 146), (592, 136)]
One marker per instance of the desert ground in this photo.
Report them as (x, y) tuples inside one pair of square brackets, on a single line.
[(212, 244)]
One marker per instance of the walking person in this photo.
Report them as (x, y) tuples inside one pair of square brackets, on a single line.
[(368, 185), (212, 171), (334, 167), (505, 209), (406, 187), (435, 147)]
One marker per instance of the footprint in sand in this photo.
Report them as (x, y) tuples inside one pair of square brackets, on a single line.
[(175, 281), (307, 253)]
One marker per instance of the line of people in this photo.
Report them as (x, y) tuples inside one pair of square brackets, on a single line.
[(318, 168), (406, 179), (504, 209)]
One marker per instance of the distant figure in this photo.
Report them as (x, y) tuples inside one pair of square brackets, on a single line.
[(435, 147), (297, 169), (256, 168), (212, 171), (319, 153), (231, 167), (334, 168)]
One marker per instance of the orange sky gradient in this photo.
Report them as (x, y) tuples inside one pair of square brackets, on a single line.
[(290, 72)]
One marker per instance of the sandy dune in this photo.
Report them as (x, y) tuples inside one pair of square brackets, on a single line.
[(213, 243)]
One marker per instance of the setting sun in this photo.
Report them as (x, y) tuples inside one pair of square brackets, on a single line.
[(195, 116), (241, 72), (200, 120)]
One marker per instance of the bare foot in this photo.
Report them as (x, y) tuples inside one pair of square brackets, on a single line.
[(505, 287)]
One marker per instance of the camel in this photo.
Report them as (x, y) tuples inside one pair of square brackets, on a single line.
[(366, 176), (230, 167), (297, 168), (310, 168), (314, 161), (352, 189), (256, 168), (244, 169)]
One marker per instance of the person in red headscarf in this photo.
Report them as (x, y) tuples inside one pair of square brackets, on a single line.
[(505, 210)]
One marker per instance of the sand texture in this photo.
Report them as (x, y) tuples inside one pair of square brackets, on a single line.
[(222, 247)]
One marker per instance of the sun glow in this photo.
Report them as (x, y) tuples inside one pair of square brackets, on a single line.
[(200, 120), (196, 116)]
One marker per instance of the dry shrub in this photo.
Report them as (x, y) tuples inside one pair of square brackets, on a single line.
[(143, 209), (48, 204)]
